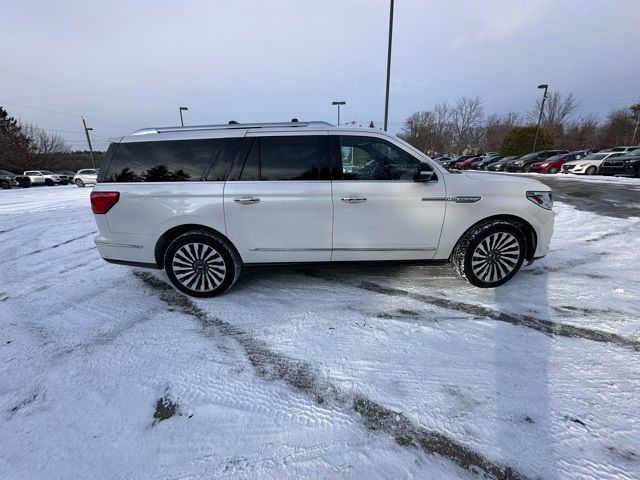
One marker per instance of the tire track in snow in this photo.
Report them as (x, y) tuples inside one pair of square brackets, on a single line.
[(301, 376), (547, 327)]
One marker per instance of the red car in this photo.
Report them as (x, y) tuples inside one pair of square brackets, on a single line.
[(466, 164), (554, 164)]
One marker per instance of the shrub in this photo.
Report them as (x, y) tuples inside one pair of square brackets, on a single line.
[(519, 141)]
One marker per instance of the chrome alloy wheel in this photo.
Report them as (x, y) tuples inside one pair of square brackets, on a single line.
[(495, 257), (199, 267)]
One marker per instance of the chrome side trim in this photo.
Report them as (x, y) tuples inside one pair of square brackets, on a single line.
[(122, 245), (458, 199), (410, 249)]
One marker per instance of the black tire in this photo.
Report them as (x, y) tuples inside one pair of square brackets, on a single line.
[(553, 170), (202, 264), (526, 168), (591, 170), (5, 185), (490, 254), (80, 183), (48, 182)]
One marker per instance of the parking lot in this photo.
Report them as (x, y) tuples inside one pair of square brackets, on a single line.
[(332, 372)]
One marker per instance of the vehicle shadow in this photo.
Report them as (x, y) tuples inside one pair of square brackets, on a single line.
[(523, 391)]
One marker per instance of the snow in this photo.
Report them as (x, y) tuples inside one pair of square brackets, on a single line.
[(333, 372)]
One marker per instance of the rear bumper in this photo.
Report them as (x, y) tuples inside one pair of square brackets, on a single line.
[(616, 170), (126, 248)]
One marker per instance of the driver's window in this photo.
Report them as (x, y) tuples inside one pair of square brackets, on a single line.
[(366, 158)]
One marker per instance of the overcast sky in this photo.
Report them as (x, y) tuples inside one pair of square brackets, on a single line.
[(132, 63)]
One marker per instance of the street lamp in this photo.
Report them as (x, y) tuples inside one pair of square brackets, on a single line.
[(86, 132), (338, 103), (181, 109), (386, 96), (544, 98)]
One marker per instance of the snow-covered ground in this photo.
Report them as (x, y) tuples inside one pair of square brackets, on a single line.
[(340, 372)]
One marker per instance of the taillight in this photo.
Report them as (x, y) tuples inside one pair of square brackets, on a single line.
[(101, 202)]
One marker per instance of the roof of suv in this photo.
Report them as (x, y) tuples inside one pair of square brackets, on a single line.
[(237, 130)]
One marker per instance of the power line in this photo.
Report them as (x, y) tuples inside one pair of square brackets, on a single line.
[(64, 113)]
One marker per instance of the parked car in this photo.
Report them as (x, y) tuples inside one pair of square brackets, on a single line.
[(501, 165), (201, 202), (485, 162), (523, 164), (450, 163), (441, 160), (554, 164), (36, 177), (589, 165), (45, 177), (623, 149), (627, 165), (68, 173), (87, 176), (466, 164), (8, 180)]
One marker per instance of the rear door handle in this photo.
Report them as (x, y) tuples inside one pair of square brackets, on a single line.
[(246, 200), (354, 199)]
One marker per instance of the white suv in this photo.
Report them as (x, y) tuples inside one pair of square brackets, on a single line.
[(201, 202), (85, 177)]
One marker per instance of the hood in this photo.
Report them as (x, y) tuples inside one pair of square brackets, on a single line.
[(497, 178)]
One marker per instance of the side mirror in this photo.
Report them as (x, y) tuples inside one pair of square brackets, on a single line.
[(424, 174)]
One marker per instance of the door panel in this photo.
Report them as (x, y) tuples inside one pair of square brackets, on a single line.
[(393, 223), (291, 222)]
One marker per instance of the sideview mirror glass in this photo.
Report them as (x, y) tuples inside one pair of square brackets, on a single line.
[(424, 174)]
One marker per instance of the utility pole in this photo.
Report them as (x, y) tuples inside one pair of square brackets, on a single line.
[(338, 103), (636, 110), (544, 98), (86, 132), (386, 96)]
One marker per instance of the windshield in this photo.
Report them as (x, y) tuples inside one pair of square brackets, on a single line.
[(555, 158), (46, 172), (635, 152), (596, 156), (4, 172)]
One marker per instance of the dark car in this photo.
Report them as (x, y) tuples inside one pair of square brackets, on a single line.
[(554, 164), (501, 164), (485, 162), (451, 162), (8, 180), (627, 165), (523, 164), (68, 173)]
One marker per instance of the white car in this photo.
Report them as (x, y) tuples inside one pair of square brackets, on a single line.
[(87, 176), (589, 165), (201, 202), (45, 177)]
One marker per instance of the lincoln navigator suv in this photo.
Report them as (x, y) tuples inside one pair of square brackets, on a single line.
[(202, 202)]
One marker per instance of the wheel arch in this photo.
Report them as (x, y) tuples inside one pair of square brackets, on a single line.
[(530, 235), (167, 237)]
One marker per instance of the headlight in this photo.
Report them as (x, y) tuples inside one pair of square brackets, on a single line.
[(542, 199), (544, 164)]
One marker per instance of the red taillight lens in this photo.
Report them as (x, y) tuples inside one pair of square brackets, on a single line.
[(101, 202)]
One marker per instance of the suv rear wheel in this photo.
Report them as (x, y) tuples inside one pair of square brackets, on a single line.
[(490, 254), (79, 182), (202, 264), (5, 185)]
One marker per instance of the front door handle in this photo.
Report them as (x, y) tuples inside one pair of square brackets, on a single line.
[(246, 200), (354, 199)]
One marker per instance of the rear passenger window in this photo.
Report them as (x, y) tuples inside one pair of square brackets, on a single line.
[(287, 158), (164, 161)]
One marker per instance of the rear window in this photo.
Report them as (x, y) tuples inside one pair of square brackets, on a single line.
[(165, 161)]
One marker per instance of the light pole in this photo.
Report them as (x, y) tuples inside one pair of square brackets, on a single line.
[(544, 98), (181, 109), (86, 132), (386, 96), (338, 103)]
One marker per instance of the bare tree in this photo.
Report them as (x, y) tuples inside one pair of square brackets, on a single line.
[(558, 109), (466, 120), (497, 127), (44, 143), (580, 133), (430, 131)]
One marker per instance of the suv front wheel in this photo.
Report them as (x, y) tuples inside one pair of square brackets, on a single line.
[(202, 264), (490, 254)]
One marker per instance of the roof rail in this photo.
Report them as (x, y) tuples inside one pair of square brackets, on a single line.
[(232, 126)]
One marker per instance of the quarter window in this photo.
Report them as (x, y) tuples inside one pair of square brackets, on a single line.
[(161, 161), (367, 158)]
